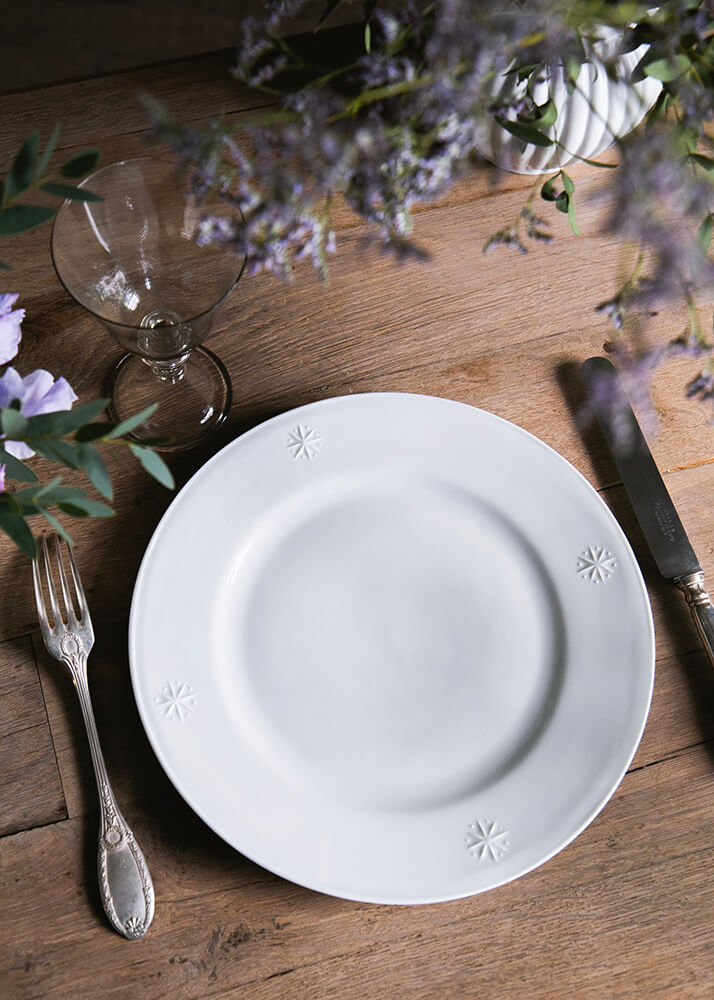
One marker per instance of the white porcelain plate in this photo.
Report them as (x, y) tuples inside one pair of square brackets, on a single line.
[(392, 648)]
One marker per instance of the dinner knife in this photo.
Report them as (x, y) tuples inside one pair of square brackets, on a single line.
[(658, 518)]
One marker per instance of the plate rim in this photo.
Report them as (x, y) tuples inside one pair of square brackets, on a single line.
[(389, 898)]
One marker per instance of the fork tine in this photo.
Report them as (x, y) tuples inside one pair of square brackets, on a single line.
[(40, 598), (79, 589), (50, 583), (71, 616)]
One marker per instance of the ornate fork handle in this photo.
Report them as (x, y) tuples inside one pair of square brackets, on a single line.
[(124, 881)]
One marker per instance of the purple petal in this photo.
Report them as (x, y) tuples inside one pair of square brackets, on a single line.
[(10, 332), (10, 387), (18, 448), (7, 301), (59, 396), (35, 388), (2, 478)]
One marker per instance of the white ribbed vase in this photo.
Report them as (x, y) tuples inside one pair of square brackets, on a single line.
[(590, 118)]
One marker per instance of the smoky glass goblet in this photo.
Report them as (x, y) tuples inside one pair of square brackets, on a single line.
[(133, 262)]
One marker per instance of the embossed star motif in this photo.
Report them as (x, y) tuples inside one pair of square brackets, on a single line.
[(176, 701), (304, 442), (596, 564), (486, 840)]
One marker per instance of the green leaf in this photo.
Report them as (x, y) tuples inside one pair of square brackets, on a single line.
[(55, 524), (80, 164), (32, 493), (704, 234), (15, 469), (596, 163), (69, 508), (702, 161), (329, 8), (568, 185), (70, 192), (93, 466), (22, 171), (571, 217), (13, 423), (57, 451), (131, 422), (21, 218), (63, 422), (547, 192), (562, 202), (547, 116), (81, 507), (49, 150), (154, 465), (667, 70), (16, 527), (367, 38), (90, 432), (525, 132)]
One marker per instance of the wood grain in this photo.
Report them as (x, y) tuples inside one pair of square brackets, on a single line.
[(624, 911), (616, 914), (30, 788)]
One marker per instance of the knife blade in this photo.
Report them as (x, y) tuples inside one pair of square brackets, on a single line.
[(663, 530)]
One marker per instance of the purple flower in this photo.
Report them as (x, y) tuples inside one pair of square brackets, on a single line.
[(2, 478), (38, 393), (10, 332)]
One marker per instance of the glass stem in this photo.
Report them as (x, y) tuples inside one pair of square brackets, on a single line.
[(171, 370)]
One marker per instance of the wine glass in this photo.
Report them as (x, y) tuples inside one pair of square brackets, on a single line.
[(132, 261)]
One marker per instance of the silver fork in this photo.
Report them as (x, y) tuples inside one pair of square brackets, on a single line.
[(124, 882)]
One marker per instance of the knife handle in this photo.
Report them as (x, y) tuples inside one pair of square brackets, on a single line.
[(692, 586)]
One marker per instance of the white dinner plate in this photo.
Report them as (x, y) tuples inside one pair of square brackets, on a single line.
[(392, 647)]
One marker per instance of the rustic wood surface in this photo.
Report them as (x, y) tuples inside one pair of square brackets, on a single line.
[(625, 911)]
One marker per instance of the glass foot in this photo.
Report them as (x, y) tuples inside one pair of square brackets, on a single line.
[(194, 397)]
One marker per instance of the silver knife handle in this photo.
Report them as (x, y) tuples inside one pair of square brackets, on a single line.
[(692, 586)]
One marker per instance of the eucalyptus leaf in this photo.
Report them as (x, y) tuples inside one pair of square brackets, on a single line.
[(93, 466), (21, 218), (70, 192), (92, 432), (80, 164), (72, 510), (131, 423), (63, 422), (52, 520), (30, 492), (154, 465), (15, 469), (86, 508), (49, 150), (13, 423), (57, 451), (22, 171), (18, 530)]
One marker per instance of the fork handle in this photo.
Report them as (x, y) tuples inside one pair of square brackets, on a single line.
[(124, 881)]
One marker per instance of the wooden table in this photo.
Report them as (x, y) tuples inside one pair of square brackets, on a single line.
[(625, 911)]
